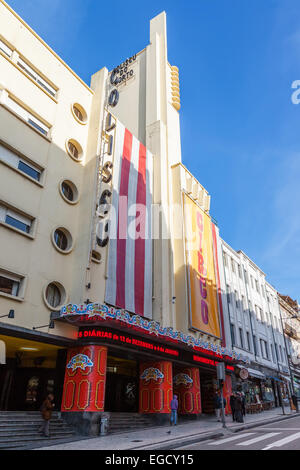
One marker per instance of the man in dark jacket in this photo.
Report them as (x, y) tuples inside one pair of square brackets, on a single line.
[(239, 408), (232, 405), (174, 408), (46, 410)]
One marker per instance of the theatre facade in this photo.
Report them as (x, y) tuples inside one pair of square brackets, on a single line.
[(131, 276)]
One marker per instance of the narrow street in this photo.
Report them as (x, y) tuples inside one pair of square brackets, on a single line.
[(283, 435)]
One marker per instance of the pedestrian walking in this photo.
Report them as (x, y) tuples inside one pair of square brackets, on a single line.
[(232, 405), (174, 409), (218, 405), (46, 410), (243, 404), (239, 408)]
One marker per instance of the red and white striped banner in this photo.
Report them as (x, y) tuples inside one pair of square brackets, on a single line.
[(129, 283)]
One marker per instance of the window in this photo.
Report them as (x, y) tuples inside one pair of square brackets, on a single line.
[(246, 277), (232, 265), (15, 219), (27, 116), (236, 299), (15, 222), (262, 291), (248, 340), (261, 315), (281, 356), (243, 302), (225, 260), (74, 149), (255, 345), (256, 285), (68, 191), (267, 349), (54, 295), (29, 170), (11, 284), (241, 337), (252, 285), (35, 76), (272, 352), (79, 113), (239, 271), (62, 240), (232, 334), (228, 293), (4, 48), (262, 348), (257, 312)]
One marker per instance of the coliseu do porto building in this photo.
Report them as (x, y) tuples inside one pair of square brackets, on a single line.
[(112, 265)]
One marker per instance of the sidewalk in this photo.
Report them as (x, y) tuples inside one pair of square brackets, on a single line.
[(166, 437)]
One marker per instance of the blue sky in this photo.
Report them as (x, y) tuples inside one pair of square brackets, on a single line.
[(240, 130)]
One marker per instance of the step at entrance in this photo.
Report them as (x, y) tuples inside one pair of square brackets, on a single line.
[(20, 429), (124, 422)]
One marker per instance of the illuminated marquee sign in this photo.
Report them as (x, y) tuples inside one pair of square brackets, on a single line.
[(210, 362), (119, 338)]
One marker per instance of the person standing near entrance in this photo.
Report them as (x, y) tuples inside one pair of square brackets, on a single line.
[(218, 405), (46, 410), (239, 408), (232, 405), (174, 408)]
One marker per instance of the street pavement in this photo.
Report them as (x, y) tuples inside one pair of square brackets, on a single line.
[(282, 435), (167, 437)]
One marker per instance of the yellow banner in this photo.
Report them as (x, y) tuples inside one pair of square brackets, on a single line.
[(202, 290)]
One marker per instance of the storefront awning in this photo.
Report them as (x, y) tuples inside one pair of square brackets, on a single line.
[(256, 373)]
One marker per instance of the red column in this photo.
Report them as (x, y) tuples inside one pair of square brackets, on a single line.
[(227, 391), (186, 383), (156, 387), (84, 386)]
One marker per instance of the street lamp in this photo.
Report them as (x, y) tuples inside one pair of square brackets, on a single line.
[(10, 315)]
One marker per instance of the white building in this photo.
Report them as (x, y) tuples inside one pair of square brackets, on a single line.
[(252, 309)]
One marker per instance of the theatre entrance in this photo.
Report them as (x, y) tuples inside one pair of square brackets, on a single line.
[(208, 384), (122, 385)]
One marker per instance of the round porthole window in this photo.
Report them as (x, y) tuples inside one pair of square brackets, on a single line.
[(62, 240), (74, 149), (68, 191), (54, 295), (79, 113)]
